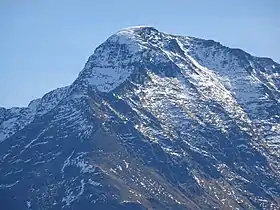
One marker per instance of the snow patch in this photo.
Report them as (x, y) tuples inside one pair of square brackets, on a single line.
[(107, 79), (70, 198), (28, 203), (126, 164), (94, 183)]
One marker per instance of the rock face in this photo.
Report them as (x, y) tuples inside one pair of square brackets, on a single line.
[(153, 121)]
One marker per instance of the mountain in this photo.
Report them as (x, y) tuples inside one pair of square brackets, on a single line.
[(153, 121)]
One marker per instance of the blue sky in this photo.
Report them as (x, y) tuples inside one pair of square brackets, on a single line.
[(44, 44)]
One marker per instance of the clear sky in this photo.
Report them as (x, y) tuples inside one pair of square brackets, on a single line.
[(44, 44)]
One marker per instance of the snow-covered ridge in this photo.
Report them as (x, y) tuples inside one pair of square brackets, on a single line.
[(14, 119), (111, 64)]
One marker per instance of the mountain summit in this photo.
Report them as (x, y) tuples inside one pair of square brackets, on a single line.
[(153, 121)]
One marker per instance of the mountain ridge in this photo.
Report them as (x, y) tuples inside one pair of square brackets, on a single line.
[(155, 121), (151, 27)]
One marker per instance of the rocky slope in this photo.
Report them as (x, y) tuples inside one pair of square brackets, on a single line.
[(153, 121)]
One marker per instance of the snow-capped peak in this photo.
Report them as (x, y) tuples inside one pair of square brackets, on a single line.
[(109, 66), (112, 62), (137, 27)]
